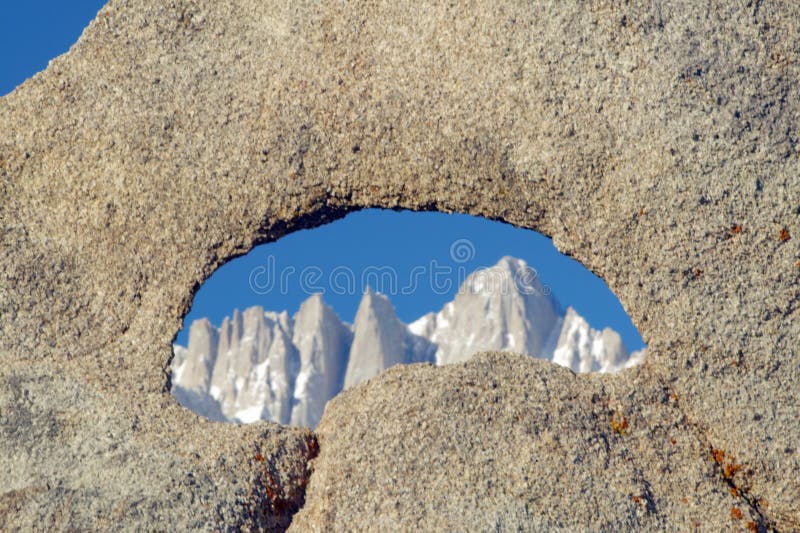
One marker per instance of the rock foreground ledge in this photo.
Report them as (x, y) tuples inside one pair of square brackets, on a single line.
[(655, 143)]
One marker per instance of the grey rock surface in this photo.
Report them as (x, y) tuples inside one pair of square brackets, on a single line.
[(324, 345), (655, 142), (381, 341), (196, 362), (507, 442)]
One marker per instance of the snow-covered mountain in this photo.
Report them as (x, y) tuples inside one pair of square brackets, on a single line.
[(266, 365), (499, 308), (584, 349)]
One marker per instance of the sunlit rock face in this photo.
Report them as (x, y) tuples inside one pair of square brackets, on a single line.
[(381, 341), (323, 342), (194, 364), (655, 142), (270, 366), (256, 366), (499, 308)]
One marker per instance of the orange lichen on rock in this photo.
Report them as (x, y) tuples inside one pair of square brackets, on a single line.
[(736, 513), (717, 455), (730, 469), (726, 462), (619, 424), (312, 447)]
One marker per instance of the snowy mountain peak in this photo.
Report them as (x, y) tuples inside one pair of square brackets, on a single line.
[(381, 340), (510, 281), (512, 264), (323, 342), (504, 307), (584, 349), (313, 308), (372, 299)]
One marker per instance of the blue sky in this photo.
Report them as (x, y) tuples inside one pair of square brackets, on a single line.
[(403, 241), (32, 33)]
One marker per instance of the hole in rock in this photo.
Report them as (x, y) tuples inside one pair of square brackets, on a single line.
[(275, 334)]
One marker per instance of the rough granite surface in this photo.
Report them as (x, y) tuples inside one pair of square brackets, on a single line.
[(655, 142)]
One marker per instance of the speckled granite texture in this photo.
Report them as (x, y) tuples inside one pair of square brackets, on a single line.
[(655, 142)]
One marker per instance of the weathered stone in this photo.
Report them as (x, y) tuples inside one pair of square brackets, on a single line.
[(655, 142), (508, 442)]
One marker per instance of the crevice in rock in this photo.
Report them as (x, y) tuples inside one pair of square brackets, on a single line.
[(727, 468)]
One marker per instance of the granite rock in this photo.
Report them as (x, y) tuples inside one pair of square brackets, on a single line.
[(655, 142)]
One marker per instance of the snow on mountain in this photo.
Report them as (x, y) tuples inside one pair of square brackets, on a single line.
[(266, 365), (584, 349)]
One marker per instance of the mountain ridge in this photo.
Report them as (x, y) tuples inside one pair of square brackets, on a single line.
[(266, 365)]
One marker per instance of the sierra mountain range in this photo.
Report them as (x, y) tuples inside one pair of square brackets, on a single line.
[(265, 365)]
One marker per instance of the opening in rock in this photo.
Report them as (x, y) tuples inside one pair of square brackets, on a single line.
[(328, 308)]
